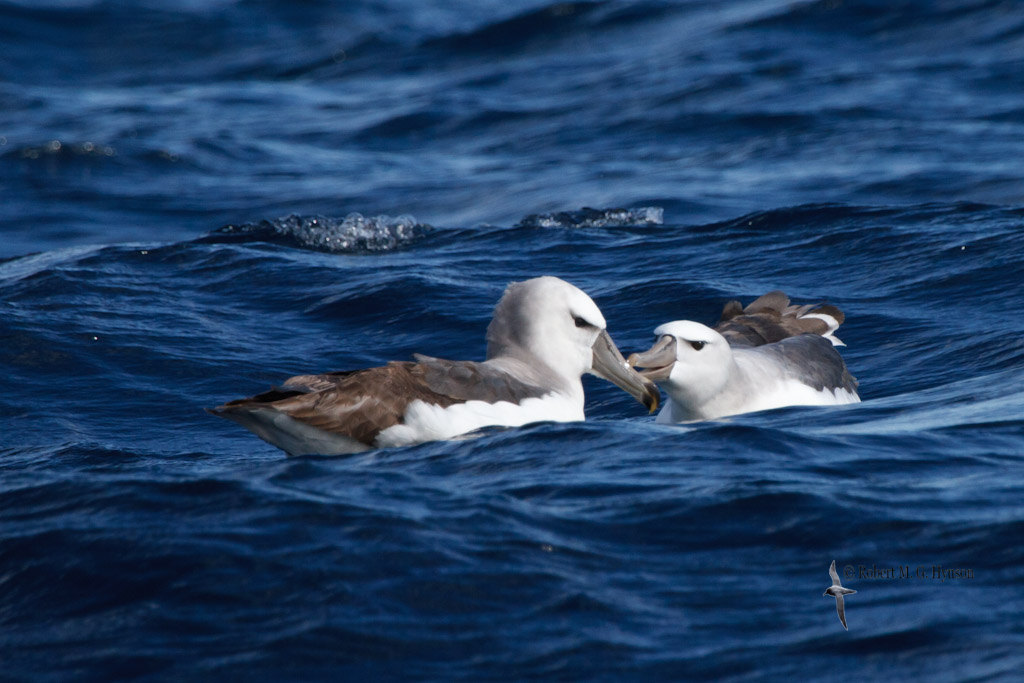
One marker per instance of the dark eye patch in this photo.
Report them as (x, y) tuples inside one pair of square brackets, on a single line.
[(580, 322), (697, 345)]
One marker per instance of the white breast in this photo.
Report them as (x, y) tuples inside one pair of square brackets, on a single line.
[(429, 422), (793, 393), (780, 394)]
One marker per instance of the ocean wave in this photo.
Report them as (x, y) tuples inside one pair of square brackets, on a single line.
[(595, 218), (837, 150), (553, 21), (353, 234)]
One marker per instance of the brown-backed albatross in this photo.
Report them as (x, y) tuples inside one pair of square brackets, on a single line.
[(544, 335), (767, 355)]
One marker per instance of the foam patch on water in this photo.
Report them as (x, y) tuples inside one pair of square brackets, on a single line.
[(595, 218), (354, 233)]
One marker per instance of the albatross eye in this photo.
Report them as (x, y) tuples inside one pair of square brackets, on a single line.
[(580, 322), (697, 345)]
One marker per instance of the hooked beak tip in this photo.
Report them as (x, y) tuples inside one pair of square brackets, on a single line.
[(652, 404)]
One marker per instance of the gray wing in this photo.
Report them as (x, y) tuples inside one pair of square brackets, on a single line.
[(812, 360), (834, 574), (472, 381), (841, 610)]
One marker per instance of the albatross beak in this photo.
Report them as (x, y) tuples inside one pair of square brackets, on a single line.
[(658, 359), (610, 365)]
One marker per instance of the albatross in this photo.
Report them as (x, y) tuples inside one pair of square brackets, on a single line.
[(767, 355), (544, 335)]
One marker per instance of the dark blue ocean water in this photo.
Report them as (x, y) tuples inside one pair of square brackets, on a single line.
[(179, 189)]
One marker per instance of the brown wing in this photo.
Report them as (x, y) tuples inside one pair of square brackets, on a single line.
[(770, 318), (358, 404), (361, 404)]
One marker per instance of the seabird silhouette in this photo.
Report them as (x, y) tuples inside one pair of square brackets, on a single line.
[(837, 591)]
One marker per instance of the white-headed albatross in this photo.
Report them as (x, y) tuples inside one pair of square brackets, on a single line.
[(545, 334), (767, 355)]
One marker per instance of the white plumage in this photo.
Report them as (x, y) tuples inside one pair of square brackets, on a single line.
[(706, 377)]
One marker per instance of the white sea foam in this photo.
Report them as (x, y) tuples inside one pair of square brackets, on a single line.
[(596, 218), (354, 233)]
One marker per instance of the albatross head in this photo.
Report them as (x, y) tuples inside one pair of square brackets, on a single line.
[(548, 321), (690, 361)]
